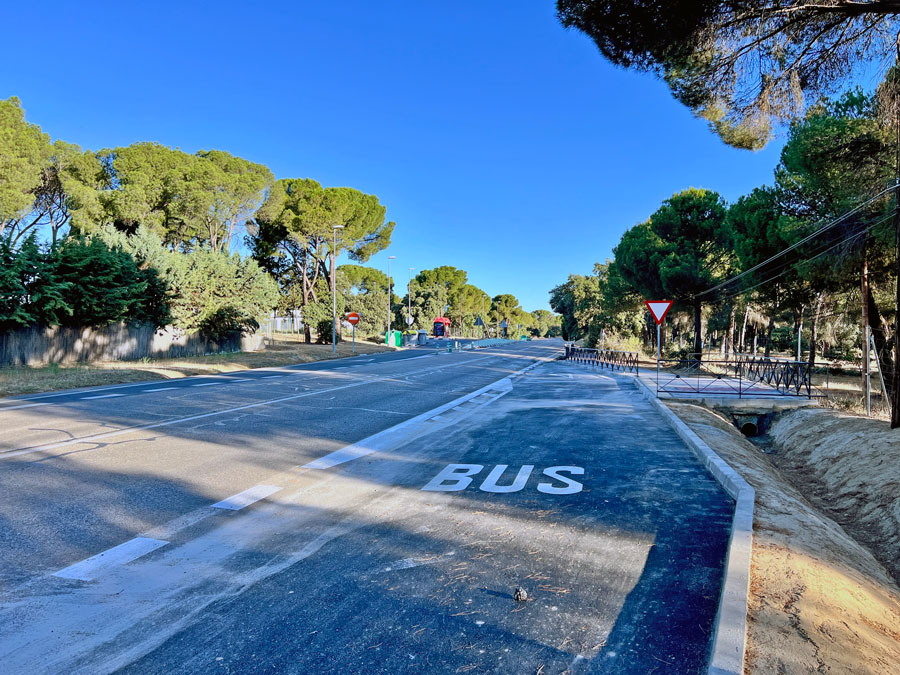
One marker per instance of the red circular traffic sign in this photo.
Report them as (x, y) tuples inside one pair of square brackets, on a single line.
[(353, 318)]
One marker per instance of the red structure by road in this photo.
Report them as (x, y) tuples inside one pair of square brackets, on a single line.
[(442, 327)]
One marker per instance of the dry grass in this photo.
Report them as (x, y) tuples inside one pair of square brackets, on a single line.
[(846, 393), (286, 350)]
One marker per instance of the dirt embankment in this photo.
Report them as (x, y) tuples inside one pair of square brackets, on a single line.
[(819, 600), (850, 468)]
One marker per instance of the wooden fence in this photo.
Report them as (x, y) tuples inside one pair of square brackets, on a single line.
[(117, 342)]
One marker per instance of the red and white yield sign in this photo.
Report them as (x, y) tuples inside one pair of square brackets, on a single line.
[(659, 309), (353, 318)]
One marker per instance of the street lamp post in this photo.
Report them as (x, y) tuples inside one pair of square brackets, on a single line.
[(334, 291), (409, 297), (390, 257)]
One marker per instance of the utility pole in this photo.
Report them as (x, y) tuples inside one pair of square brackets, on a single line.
[(409, 297), (334, 291), (895, 385), (387, 335)]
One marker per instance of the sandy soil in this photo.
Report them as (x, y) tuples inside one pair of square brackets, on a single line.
[(819, 600), (850, 468)]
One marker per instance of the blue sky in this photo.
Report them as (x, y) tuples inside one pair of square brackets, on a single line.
[(500, 143)]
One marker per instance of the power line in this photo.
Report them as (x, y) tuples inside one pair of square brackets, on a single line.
[(792, 247), (789, 266)]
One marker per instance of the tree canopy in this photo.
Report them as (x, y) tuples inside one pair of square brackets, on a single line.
[(679, 253), (295, 237), (186, 199), (743, 66)]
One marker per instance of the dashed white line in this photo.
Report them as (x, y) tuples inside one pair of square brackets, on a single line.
[(92, 567), (247, 497), (397, 435), (207, 384), (88, 398), (156, 425), (147, 391)]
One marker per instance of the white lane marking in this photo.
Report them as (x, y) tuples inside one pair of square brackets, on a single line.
[(89, 398), (241, 379), (147, 391), (144, 427), (207, 384), (128, 430), (70, 392), (270, 377), (392, 437), (247, 497), (90, 568), (25, 405), (409, 563)]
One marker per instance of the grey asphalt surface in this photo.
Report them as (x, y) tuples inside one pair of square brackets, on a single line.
[(356, 567)]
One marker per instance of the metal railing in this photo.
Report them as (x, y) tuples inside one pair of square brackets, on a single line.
[(744, 375), (603, 358)]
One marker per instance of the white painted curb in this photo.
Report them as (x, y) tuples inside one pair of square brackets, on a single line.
[(730, 630)]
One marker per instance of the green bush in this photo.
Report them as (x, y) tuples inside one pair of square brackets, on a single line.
[(80, 282), (227, 323), (217, 294), (323, 332), (109, 277), (105, 285)]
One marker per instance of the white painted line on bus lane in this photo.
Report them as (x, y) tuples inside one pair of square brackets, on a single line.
[(91, 398), (247, 497), (90, 568), (18, 452), (405, 431)]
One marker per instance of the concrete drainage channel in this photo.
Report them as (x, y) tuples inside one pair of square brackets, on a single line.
[(752, 424), (730, 632)]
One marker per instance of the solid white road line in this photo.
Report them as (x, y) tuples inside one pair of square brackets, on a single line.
[(207, 384), (148, 391), (247, 497), (90, 398), (92, 567)]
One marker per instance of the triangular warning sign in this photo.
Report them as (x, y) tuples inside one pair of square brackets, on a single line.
[(658, 308)]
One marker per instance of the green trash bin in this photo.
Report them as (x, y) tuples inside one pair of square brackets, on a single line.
[(394, 339)]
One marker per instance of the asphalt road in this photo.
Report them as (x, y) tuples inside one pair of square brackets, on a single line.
[(361, 516)]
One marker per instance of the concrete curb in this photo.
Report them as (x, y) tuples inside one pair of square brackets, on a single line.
[(730, 631)]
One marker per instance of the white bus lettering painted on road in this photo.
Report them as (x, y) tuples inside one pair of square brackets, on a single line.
[(456, 477)]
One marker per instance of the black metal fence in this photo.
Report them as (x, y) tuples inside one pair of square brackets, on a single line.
[(745, 375), (603, 358)]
